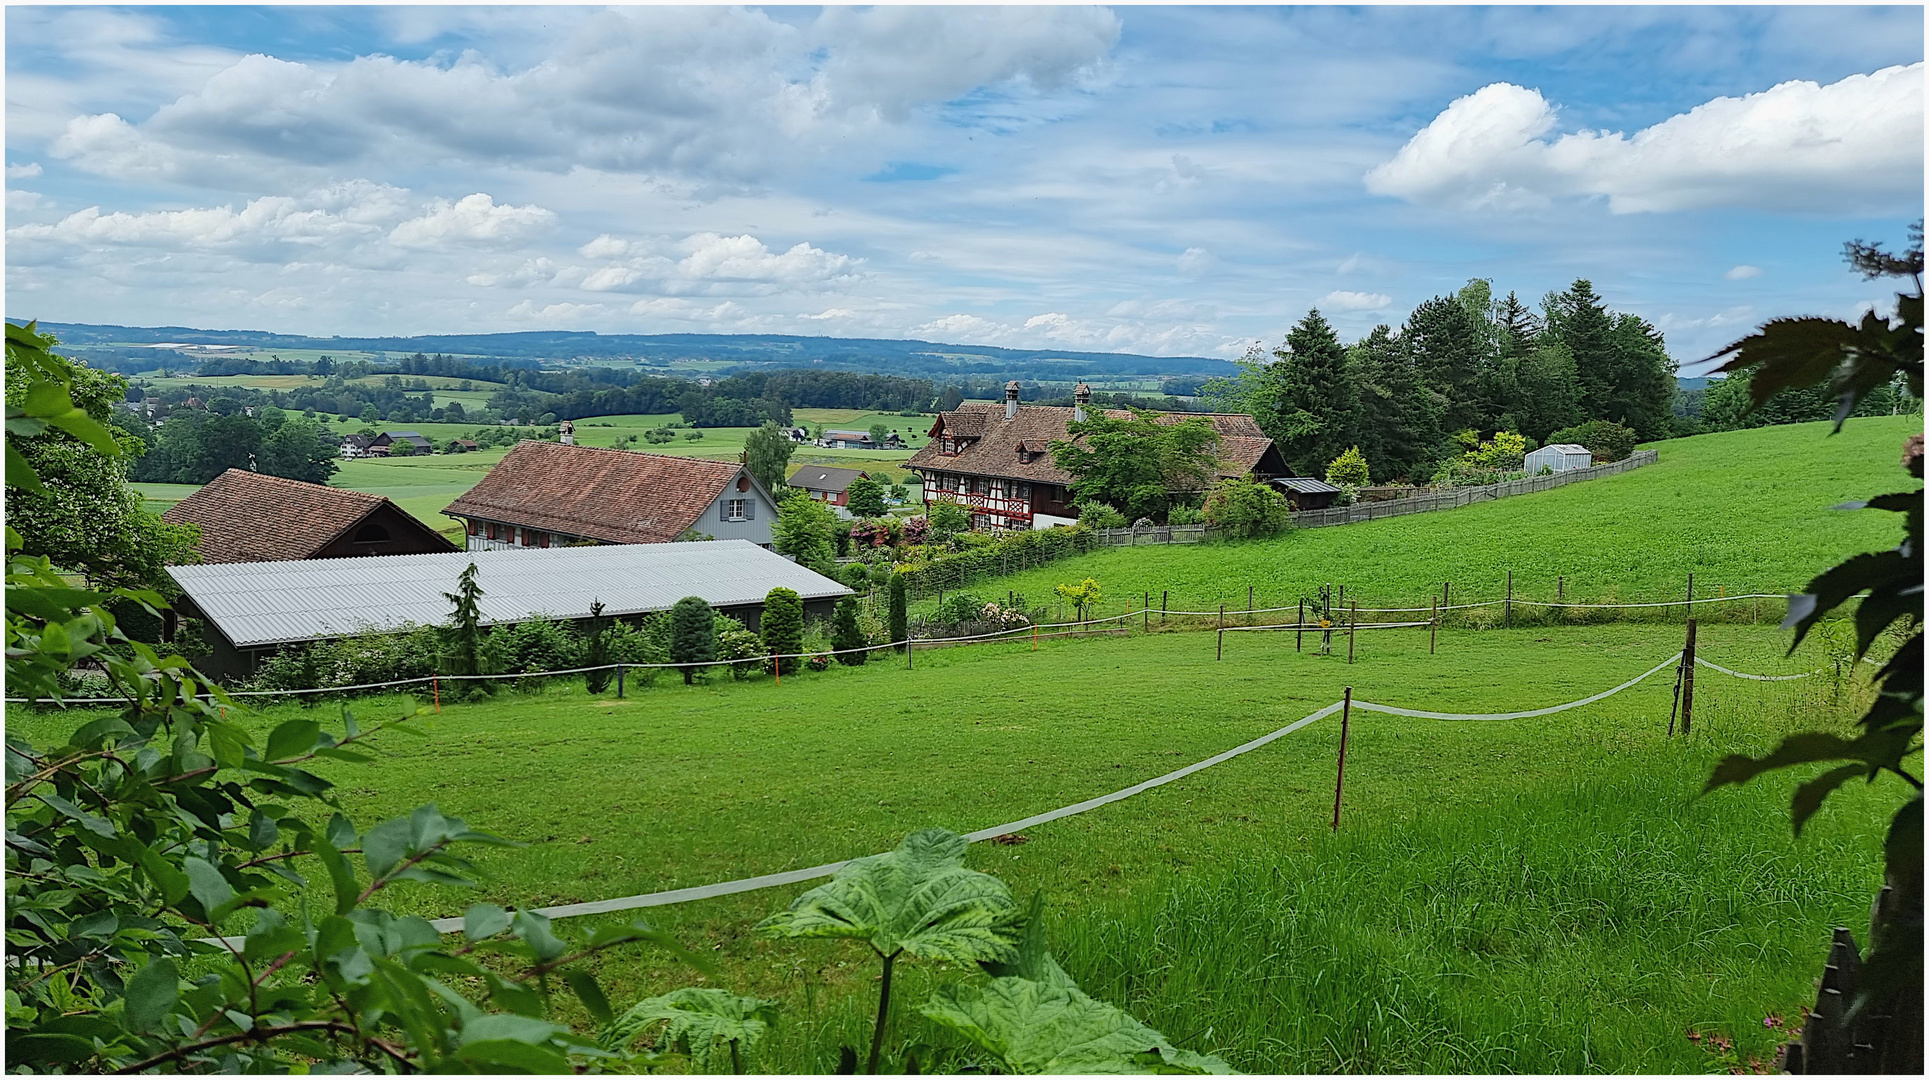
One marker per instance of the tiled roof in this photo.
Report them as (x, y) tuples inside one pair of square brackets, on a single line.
[(251, 517), (818, 478), (1242, 446), (616, 496)]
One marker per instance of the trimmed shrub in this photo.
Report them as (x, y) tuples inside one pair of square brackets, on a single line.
[(693, 636), (1239, 509), (1097, 515), (845, 634), (783, 624), (1349, 469)]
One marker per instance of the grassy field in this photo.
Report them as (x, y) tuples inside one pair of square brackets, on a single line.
[(1744, 511), (1543, 895)]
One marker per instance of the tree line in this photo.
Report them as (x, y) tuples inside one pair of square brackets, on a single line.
[(1464, 362)]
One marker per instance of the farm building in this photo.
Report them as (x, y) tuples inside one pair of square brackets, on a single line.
[(1558, 457), (1306, 493), (544, 494), (251, 517), (827, 485), (388, 439), (998, 462), (849, 440), (253, 609)]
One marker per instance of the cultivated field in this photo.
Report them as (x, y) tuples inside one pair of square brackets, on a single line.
[(1542, 895), (1744, 511)]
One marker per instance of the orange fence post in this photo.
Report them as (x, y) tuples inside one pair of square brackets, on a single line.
[(435, 684)]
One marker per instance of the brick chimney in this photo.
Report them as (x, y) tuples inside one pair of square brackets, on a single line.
[(1081, 397), (1011, 400)]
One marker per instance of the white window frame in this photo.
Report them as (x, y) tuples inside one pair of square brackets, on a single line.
[(733, 509)]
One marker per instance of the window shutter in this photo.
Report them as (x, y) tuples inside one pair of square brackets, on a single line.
[(750, 508)]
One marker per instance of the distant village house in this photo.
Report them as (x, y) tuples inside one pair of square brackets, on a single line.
[(827, 485)]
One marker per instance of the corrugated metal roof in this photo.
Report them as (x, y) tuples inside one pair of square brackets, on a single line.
[(1566, 448), (275, 603), (1305, 485)]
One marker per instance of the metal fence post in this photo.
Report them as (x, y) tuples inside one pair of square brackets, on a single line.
[(1339, 777), (619, 680), (1688, 681)]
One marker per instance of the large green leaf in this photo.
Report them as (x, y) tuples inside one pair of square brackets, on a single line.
[(702, 1022), (919, 899), (1048, 1025)]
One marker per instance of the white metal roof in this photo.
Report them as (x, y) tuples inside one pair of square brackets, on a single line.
[(1567, 448), (273, 603)]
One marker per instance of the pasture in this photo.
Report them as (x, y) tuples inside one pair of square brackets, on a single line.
[(1744, 511), (1538, 895)]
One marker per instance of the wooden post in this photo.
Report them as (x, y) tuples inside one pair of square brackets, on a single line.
[(777, 665), (1688, 681), (1145, 611), (1560, 587), (1034, 637), (1433, 627), (1446, 594), (1508, 608), (1688, 609), (1299, 635), (1352, 630), (1249, 605), (1164, 595), (907, 646), (1222, 616), (1222, 644), (619, 680), (1339, 778), (435, 684)]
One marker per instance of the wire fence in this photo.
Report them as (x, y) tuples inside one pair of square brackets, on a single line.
[(792, 877)]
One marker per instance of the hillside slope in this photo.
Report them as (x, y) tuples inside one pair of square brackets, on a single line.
[(1744, 511)]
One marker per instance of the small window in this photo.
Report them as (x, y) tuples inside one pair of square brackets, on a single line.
[(469, 526), (490, 531), (371, 534), (734, 510)]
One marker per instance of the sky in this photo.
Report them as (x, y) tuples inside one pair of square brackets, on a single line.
[(1163, 180)]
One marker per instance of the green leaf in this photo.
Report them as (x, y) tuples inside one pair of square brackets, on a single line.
[(583, 984), (292, 739), (507, 1026), (534, 930), (1049, 1025), (483, 921), (207, 884), (227, 743), (919, 899), (385, 846), (1808, 797), (20, 474), (701, 1022), (340, 874), (151, 995), (1796, 749), (93, 823)]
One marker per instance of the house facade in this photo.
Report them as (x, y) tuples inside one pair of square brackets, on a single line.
[(827, 485), (997, 461), (545, 494)]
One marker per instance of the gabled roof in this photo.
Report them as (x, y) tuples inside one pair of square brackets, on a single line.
[(821, 478), (616, 496), (253, 517), (995, 451), (1567, 448), (1306, 485), (288, 602), (404, 436)]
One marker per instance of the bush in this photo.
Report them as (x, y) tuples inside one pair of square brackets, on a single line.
[(1097, 515), (1606, 440), (741, 649), (409, 653), (540, 644), (865, 497), (819, 662), (847, 640), (917, 529), (693, 636), (947, 519), (783, 624), (874, 533), (899, 628), (1349, 469), (1183, 515), (804, 530), (1239, 509)]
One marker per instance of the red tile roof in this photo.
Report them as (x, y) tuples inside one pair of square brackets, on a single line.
[(251, 517), (995, 451), (616, 496)]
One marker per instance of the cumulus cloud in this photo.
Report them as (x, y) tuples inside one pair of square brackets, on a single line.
[(1853, 146), (1195, 261), (550, 314), (22, 201), (1743, 272), (705, 93), (1082, 334), (472, 219), (710, 262), (1343, 300), (23, 172)]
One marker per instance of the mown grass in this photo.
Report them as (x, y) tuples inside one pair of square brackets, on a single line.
[(1744, 511), (1533, 895)]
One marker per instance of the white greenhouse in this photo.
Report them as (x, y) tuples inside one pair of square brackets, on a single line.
[(1558, 457)]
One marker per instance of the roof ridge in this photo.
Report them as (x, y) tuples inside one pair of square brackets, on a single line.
[(630, 453)]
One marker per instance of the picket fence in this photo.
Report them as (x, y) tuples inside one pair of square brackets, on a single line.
[(1445, 499)]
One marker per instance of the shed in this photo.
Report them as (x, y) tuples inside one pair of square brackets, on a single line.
[(253, 609), (1306, 493), (1558, 457)]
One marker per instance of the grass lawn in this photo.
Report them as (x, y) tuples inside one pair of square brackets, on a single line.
[(1541, 895), (1744, 511)]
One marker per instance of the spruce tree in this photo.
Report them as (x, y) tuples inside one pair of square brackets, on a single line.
[(465, 623), (846, 638), (1448, 349), (782, 628), (900, 618), (693, 634), (1306, 401), (597, 653)]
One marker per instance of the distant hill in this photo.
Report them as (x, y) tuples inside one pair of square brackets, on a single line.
[(738, 351)]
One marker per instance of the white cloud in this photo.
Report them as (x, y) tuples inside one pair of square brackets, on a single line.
[(604, 247), (711, 262), (1195, 261), (1852, 146), (22, 201), (472, 219), (1342, 300), (23, 172), (1743, 272), (531, 270), (550, 314), (1081, 334)]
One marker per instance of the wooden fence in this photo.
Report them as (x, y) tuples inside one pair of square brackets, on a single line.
[(1444, 499)]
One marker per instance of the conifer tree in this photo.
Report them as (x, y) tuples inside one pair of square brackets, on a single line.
[(693, 634), (846, 638), (1306, 401), (900, 617), (782, 627)]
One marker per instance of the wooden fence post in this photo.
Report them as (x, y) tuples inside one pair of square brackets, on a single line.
[(1446, 594), (1560, 587), (1145, 611), (1299, 635), (1222, 616), (619, 680), (435, 684), (1433, 627), (1164, 596), (1688, 681), (1352, 630), (908, 639), (1222, 644), (1339, 777), (1688, 609), (1508, 608), (1249, 605)]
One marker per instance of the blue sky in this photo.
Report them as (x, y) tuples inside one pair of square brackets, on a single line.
[(1162, 180)]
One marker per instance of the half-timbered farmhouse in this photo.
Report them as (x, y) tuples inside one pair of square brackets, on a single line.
[(544, 494), (998, 460)]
